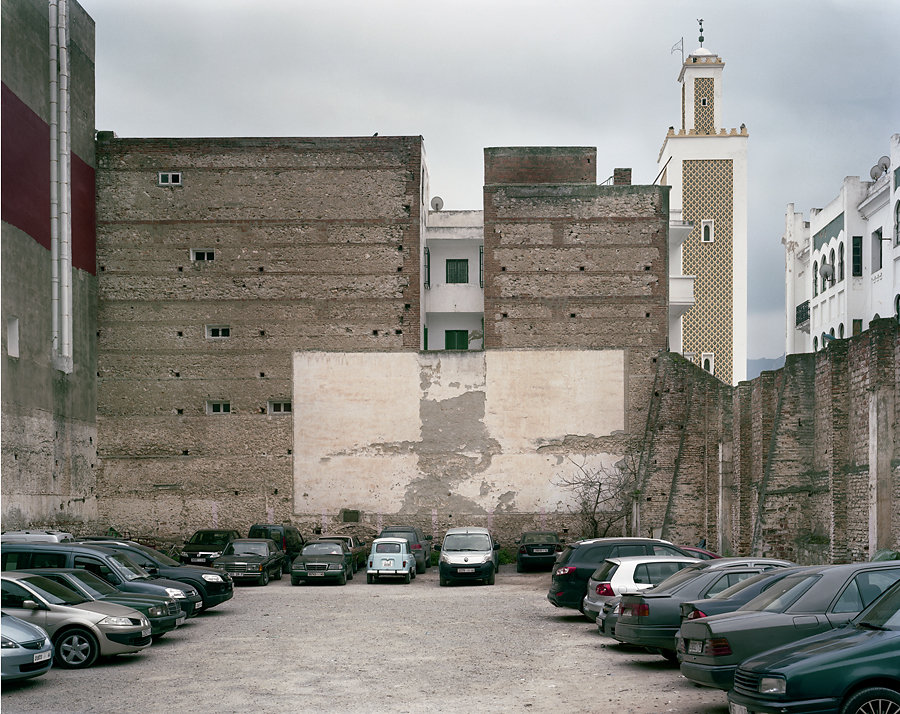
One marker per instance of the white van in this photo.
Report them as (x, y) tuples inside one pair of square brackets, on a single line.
[(46, 536), (469, 553)]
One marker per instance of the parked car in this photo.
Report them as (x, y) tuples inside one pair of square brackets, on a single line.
[(255, 559), (356, 546), (469, 553), (700, 553), (214, 586), (323, 560), (537, 549), (27, 651), (37, 536), (163, 613), (206, 545), (391, 558), (574, 566), (81, 630), (419, 543), (113, 566), (738, 595), (609, 616), (286, 537), (808, 602), (852, 669), (651, 619), (632, 573)]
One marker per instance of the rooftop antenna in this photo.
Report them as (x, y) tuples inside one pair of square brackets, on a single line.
[(700, 20)]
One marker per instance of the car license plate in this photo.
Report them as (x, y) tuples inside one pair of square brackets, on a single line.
[(198, 560), (541, 550), (315, 573), (737, 708), (467, 570), (41, 656), (180, 619), (695, 647), (387, 563), (145, 633)]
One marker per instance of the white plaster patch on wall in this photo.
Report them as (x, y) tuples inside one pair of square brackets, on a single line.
[(536, 396)]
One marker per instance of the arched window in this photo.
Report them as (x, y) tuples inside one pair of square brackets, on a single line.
[(897, 223), (831, 332), (841, 331), (815, 344), (815, 278), (840, 262), (897, 307), (833, 266)]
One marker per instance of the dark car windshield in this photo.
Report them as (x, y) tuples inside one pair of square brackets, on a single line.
[(93, 585), (605, 572), (885, 611), (737, 587), (209, 538), (675, 581), (54, 593), (467, 541), (782, 595), (247, 549), (387, 547), (156, 555), (128, 569), (528, 538), (322, 549)]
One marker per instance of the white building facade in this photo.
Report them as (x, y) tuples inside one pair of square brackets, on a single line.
[(706, 166), (842, 265)]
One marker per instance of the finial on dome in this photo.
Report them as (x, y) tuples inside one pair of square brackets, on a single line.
[(701, 31)]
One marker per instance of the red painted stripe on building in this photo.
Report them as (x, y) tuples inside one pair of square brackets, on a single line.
[(25, 177)]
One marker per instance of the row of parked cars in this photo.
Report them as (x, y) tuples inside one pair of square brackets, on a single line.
[(777, 637)]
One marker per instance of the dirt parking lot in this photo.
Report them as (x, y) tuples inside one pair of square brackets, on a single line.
[(387, 647)]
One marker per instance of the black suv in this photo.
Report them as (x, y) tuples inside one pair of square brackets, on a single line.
[(214, 586), (206, 545), (286, 537), (419, 543), (574, 566)]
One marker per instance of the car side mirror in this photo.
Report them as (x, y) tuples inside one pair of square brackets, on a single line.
[(496, 546), (428, 537), (437, 548), (32, 605), (152, 569)]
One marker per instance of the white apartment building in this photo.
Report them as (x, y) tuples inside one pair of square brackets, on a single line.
[(842, 265)]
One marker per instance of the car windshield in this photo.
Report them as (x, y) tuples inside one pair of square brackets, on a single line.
[(322, 549), (246, 549), (605, 572), (156, 555), (54, 593), (782, 595), (675, 581), (884, 612), (93, 585), (128, 568), (539, 538), (387, 547), (209, 538), (467, 541)]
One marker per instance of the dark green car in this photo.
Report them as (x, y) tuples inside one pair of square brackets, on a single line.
[(323, 560), (854, 669), (163, 612)]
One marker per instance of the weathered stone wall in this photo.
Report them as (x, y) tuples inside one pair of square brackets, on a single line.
[(315, 245), (814, 473)]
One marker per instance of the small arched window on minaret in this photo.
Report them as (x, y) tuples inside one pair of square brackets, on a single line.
[(707, 231), (815, 277), (840, 262)]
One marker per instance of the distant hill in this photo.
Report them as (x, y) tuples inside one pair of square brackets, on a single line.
[(756, 366)]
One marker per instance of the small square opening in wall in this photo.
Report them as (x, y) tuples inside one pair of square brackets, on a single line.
[(203, 256), (169, 178), (218, 407), (279, 407), (218, 332)]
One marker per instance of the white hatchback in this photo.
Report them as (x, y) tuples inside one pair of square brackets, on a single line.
[(390, 558), (636, 572)]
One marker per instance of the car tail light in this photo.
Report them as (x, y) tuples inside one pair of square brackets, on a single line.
[(605, 589), (718, 647), (559, 547), (522, 549), (417, 546), (636, 609), (565, 570), (696, 615)]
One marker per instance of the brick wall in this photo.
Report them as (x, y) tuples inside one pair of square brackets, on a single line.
[(815, 459)]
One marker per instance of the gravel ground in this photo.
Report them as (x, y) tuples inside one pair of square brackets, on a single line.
[(387, 647)]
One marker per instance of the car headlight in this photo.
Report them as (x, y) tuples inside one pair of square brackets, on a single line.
[(176, 593), (7, 644), (487, 558), (116, 621), (772, 685), (216, 554), (444, 558), (299, 566), (156, 611), (335, 566), (212, 578)]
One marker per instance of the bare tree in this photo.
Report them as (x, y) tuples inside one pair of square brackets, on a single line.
[(602, 496)]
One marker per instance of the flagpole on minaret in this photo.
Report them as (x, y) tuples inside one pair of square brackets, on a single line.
[(679, 46)]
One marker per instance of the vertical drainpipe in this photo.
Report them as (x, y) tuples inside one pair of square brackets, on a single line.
[(54, 175), (65, 193)]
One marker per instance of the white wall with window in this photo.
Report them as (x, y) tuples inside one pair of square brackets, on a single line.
[(842, 265)]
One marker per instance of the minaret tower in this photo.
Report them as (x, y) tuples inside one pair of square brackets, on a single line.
[(706, 166)]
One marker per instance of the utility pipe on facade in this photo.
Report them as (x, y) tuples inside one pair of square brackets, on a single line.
[(65, 193), (54, 176)]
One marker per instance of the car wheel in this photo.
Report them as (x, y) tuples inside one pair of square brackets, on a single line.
[(76, 649), (420, 568), (443, 581), (873, 699), (413, 571), (264, 577), (670, 655), (519, 567), (278, 574), (491, 578), (350, 572), (407, 578), (342, 578), (295, 581), (370, 578)]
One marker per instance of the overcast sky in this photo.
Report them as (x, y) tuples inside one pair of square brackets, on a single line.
[(815, 81)]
